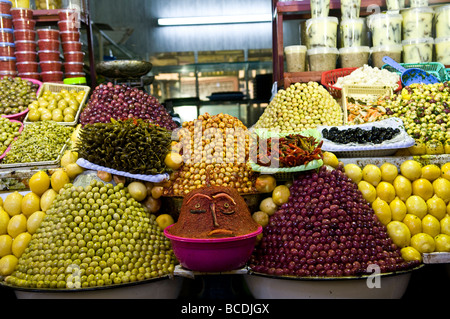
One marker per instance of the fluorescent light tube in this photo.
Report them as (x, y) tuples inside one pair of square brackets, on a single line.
[(215, 20)]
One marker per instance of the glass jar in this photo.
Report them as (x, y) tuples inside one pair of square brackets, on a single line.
[(48, 4), (418, 50)]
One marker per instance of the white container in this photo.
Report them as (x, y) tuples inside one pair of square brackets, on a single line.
[(394, 51), (354, 57), (322, 58), (395, 5), (417, 23), (321, 32), (351, 32), (319, 8), (442, 21), (442, 46), (350, 9), (418, 50), (418, 3), (386, 29), (295, 58)]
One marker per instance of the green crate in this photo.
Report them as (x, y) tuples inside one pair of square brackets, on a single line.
[(434, 68)]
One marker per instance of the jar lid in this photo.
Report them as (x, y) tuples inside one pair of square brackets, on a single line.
[(361, 49), (418, 9), (7, 44), (7, 30), (74, 81), (6, 16), (352, 20), (321, 20), (26, 62), (441, 39), (383, 16), (6, 1), (442, 8), (295, 49), (25, 41), (27, 52), (418, 41), (388, 48), (42, 62), (322, 50), (7, 58)]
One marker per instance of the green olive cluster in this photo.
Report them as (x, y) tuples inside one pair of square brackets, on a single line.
[(299, 107), (16, 94), (8, 131), (94, 236)]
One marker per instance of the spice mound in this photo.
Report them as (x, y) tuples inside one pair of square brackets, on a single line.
[(213, 212)]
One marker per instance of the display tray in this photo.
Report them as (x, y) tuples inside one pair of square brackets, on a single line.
[(436, 258), (20, 116), (376, 286), (166, 287)]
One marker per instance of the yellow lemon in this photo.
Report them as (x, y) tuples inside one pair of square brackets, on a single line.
[(398, 209), (39, 183), (58, 179), (34, 221), (20, 243), (372, 174), (411, 169), (423, 243), (368, 191), (442, 242), (411, 254), (431, 172), (73, 170), (441, 187), (13, 203), (17, 225), (354, 172), (382, 210), (173, 160), (445, 225), (399, 233), (388, 172), (430, 225), (30, 204), (68, 157), (403, 187), (416, 205), (8, 264), (330, 159), (437, 207), (445, 171), (4, 221), (5, 245), (47, 199), (414, 223), (423, 188), (164, 220), (386, 191)]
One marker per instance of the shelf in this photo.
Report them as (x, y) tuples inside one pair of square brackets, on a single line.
[(290, 78), (46, 16)]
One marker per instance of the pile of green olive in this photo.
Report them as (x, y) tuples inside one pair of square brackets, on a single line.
[(9, 130), (16, 94), (94, 236)]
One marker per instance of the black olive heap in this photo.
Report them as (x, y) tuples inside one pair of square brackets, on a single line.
[(120, 102), (326, 229), (375, 135)]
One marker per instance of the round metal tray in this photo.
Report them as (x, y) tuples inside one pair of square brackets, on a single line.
[(123, 69)]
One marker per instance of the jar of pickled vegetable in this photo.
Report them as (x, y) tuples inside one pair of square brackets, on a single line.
[(27, 4)]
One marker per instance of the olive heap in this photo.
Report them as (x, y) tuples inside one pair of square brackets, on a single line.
[(16, 94), (375, 135), (326, 229), (299, 107), (213, 160), (9, 130), (122, 102), (93, 236)]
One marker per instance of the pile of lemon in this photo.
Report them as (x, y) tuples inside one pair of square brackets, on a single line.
[(412, 201)]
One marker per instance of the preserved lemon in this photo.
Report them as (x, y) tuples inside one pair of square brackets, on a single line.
[(13, 203), (39, 183)]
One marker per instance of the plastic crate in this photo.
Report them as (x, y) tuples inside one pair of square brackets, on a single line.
[(434, 68), (56, 88), (362, 92), (329, 78)]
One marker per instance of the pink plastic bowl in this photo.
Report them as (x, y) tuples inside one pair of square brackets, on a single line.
[(24, 24), (70, 36), (25, 45), (47, 55), (50, 34), (26, 56), (6, 21), (25, 35), (213, 255), (22, 13)]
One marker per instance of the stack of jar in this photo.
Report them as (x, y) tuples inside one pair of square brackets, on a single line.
[(442, 29), (352, 54), (418, 41), (49, 60), (7, 48), (25, 40), (321, 37), (72, 47)]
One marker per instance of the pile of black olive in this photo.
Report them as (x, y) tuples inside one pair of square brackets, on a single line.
[(375, 135)]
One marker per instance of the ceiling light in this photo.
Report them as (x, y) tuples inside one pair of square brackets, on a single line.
[(215, 20)]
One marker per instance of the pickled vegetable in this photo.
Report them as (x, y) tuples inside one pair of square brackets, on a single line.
[(16, 94)]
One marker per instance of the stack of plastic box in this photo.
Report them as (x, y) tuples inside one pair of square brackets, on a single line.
[(49, 55), (69, 27), (7, 48)]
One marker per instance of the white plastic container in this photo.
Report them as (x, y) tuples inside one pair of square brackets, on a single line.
[(386, 29), (354, 57), (442, 47), (351, 32), (418, 50), (394, 51), (322, 58), (295, 58), (350, 9), (319, 8), (442, 21), (321, 32), (417, 23), (395, 5)]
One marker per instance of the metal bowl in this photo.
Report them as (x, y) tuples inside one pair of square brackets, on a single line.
[(377, 286), (156, 288), (123, 69)]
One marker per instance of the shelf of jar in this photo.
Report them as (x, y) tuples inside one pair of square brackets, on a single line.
[(47, 16)]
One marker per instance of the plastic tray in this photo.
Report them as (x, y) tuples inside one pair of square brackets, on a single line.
[(434, 68), (20, 116), (57, 87), (329, 78), (9, 146), (372, 92)]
